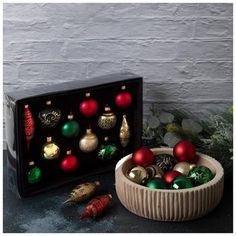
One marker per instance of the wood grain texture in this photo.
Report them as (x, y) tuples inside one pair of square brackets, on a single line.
[(170, 205)]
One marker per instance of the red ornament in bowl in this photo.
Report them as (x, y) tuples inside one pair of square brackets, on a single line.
[(69, 163), (88, 107), (170, 175), (143, 157)]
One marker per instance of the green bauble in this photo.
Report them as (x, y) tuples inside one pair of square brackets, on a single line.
[(156, 183), (70, 129), (107, 151), (34, 175), (181, 182), (200, 175)]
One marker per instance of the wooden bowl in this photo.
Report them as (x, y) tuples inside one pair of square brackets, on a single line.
[(167, 204)]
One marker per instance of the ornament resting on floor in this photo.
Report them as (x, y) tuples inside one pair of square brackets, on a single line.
[(154, 171), (34, 174), (143, 157), (156, 183), (184, 167), (165, 161), (124, 132), (50, 116), (88, 142), (71, 128), (181, 182), (88, 107), (200, 175), (107, 120), (29, 126), (69, 163), (124, 99), (83, 192), (50, 150), (107, 150), (137, 174), (96, 206)]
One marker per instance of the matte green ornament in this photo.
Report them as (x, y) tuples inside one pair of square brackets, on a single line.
[(34, 175), (156, 183), (70, 128), (107, 151), (200, 175), (181, 182)]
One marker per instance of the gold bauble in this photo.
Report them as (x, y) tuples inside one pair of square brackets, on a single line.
[(184, 167), (137, 174), (154, 171), (108, 119), (124, 132), (50, 150), (88, 142)]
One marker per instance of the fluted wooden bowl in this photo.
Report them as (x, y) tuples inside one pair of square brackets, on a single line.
[(167, 204)]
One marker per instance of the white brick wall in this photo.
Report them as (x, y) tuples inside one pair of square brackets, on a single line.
[(184, 51)]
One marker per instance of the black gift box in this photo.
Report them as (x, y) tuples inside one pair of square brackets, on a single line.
[(67, 97)]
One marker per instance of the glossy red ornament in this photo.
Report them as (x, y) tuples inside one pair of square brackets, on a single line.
[(69, 163), (170, 175), (185, 151), (88, 107), (123, 100), (96, 206), (29, 126), (143, 157)]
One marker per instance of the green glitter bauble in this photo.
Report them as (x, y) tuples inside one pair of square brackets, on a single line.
[(70, 129), (181, 182), (107, 152), (200, 175), (156, 183), (34, 175)]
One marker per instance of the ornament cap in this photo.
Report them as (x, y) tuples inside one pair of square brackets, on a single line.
[(70, 116), (26, 106), (106, 139), (31, 163), (49, 139), (123, 87), (88, 131), (97, 183), (107, 108), (68, 152), (110, 196), (87, 95), (49, 102)]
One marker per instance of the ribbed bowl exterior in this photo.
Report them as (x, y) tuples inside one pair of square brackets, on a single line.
[(170, 205)]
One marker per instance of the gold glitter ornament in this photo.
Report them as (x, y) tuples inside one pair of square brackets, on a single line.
[(108, 119), (88, 142), (50, 150), (124, 132), (137, 174), (184, 167)]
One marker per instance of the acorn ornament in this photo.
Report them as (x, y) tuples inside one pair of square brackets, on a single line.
[(108, 119), (184, 167), (34, 174), (71, 128), (124, 99), (88, 107), (50, 116), (96, 206), (107, 150), (137, 174), (124, 132), (88, 142), (50, 150), (69, 163), (83, 192)]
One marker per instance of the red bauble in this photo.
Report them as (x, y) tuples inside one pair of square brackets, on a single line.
[(170, 175), (143, 157), (89, 107), (123, 100), (69, 163), (185, 151)]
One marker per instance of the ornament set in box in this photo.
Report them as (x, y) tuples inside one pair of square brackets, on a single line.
[(60, 133)]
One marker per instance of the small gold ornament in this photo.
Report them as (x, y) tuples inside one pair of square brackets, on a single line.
[(124, 132), (50, 150), (154, 171), (184, 167), (108, 119), (88, 142), (137, 174)]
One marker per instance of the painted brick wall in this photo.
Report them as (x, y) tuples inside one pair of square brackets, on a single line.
[(183, 51)]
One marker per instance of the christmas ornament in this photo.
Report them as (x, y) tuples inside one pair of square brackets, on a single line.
[(154, 171), (156, 183), (70, 128), (29, 126), (184, 167), (181, 182), (200, 175), (137, 174), (88, 107), (88, 142), (96, 206), (69, 163), (107, 120), (144, 182), (50, 116), (185, 151), (83, 192), (107, 151), (34, 174), (143, 157), (50, 150), (124, 132), (124, 99), (170, 175), (165, 161)]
